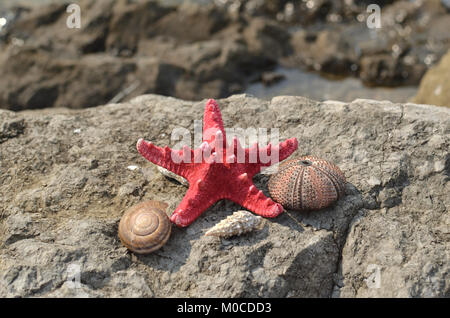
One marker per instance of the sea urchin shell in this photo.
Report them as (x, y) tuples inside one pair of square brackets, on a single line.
[(307, 183)]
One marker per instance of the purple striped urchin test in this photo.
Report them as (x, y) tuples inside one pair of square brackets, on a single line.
[(307, 183)]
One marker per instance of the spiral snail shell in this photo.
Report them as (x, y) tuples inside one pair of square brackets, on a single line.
[(145, 227), (307, 183), (238, 223)]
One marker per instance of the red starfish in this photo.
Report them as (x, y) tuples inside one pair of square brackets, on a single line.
[(214, 173)]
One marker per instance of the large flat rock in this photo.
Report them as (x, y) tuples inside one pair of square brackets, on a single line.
[(66, 180)]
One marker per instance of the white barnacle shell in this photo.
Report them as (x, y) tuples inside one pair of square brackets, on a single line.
[(171, 175), (238, 223)]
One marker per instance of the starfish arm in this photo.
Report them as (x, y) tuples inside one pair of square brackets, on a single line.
[(178, 162), (212, 122), (196, 201), (259, 157), (285, 149), (255, 201), (270, 155)]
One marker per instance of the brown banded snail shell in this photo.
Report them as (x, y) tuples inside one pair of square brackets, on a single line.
[(307, 183), (145, 227)]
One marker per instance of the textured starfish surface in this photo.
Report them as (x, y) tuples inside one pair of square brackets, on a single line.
[(218, 170)]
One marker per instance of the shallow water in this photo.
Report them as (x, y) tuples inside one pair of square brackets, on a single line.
[(314, 86)]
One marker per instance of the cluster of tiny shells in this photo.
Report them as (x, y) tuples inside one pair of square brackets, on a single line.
[(307, 183), (238, 223), (145, 227)]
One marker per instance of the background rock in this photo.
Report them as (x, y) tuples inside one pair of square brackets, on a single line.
[(65, 183), (435, 86), (190, 51), (125, 49)]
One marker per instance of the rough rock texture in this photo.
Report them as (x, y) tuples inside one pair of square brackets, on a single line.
[(67, 176), (434, 88)]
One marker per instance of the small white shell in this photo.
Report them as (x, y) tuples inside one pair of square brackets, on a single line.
[(238, 223), (171, 175), (132, 167)]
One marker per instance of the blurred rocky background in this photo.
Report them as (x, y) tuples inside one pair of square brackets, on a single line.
[(320, 49)]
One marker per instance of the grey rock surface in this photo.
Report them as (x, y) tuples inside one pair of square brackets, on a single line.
[(67, 176)]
